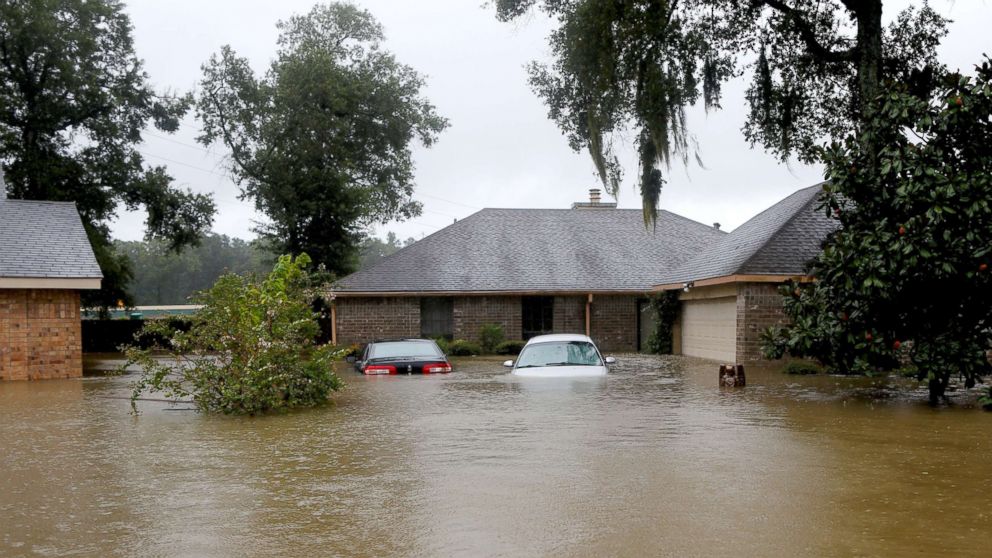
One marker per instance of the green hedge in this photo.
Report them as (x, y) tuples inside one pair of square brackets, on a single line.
[(510, 347)]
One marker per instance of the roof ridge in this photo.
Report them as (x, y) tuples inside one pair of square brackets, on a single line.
[(17, 200), (780, 228)]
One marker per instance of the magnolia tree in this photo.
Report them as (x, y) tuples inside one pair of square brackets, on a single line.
[(909, 270), (251, 348)]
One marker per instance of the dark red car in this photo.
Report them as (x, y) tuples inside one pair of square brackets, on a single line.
[(402, 356)]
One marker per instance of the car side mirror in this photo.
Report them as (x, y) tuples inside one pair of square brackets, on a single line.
[(508, 363), (610, 360)]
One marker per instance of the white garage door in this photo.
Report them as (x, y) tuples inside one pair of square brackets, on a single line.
[(709, 328)]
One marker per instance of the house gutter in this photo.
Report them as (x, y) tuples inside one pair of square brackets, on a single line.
[(733, 279)]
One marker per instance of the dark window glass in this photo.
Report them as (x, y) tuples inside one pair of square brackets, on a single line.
[(538, 315), (437, 317)]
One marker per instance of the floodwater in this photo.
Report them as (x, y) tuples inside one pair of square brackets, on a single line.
[(654, 460)]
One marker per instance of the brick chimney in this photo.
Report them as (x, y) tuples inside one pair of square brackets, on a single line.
[(595, 201)]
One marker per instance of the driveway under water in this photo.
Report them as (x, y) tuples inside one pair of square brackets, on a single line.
[(654, 460)]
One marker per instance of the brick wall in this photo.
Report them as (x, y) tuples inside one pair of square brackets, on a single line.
[(759, 305), (39, 334), (614, 318), (472, 312), (614, 323), (361, 320), (570, 314)]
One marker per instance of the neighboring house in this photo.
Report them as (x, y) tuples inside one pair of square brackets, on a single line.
[(730, 289), (45, 260), (588, 270)]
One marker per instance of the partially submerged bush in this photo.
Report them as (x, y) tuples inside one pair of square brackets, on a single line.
[(803, 368), (490, 336), (512, 347), (461, 347), (251, 349), (443, 344)]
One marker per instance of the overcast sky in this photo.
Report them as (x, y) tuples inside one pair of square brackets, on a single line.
[(501, 150)]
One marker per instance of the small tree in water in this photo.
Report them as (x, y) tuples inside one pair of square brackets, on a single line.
[(251, 348)]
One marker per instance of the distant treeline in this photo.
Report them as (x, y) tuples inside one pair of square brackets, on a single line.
[(165, 277)]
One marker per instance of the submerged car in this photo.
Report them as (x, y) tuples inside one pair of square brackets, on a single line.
[(551, 356), (402, 356)]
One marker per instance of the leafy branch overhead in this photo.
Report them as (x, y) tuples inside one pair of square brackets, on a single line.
[(321, 140), (621, 65)]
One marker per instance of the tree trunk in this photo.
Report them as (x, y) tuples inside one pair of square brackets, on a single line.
[(938, 386), (869, 17)]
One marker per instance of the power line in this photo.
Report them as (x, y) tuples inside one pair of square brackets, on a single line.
[(145, 153), (448, 201)]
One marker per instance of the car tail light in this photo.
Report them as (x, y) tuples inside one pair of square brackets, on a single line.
[(437, 368), (378, 369)]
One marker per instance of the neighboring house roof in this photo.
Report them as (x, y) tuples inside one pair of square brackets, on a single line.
[(779, 241), (538, 250), (42, 244)]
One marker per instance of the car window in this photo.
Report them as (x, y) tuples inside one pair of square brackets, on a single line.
[(559, 353), (398, 349)]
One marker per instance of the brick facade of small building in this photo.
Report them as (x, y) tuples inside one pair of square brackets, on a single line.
[(759, 306), (614, 318), (39, 334)]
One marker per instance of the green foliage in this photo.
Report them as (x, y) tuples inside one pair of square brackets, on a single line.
[(162, 276), (74, 102), (912, 259), (665, 307), (639, 63), (443, 344), (372, 249), (490, 336), (461, 347), (985, 400), (322, 141), (803, 368), (512, 347), (250, 349)]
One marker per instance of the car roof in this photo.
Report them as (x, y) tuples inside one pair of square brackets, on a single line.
[(401, 340), (559, 337)]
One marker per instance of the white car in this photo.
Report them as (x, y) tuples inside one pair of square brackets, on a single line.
[(553, 356)]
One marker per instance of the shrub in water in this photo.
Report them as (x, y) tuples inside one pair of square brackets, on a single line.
[(251, 349), (510, 347), (443, 344), (461, 347), (490, 336)]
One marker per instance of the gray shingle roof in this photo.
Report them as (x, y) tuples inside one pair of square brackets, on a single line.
[(550, 250), (778, 241), (42, 239)]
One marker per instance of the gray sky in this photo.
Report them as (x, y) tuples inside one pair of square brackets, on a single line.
[(501, 150)]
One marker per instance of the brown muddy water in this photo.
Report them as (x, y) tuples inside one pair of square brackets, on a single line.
[(654, 460)]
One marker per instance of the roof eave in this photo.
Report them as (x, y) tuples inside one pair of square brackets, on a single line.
[(65, 283), (738, 278)]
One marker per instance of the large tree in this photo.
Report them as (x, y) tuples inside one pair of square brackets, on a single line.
[(74, 101), (321, 141), (816, 66), (909, 270)]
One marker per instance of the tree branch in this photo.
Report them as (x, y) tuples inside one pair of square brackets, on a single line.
[(808, 34)]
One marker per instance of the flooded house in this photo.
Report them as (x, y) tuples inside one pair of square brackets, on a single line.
[(45, 261), (729, 290), (588, 269)]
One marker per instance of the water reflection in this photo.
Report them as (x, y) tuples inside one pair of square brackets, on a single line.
[(654, 459)]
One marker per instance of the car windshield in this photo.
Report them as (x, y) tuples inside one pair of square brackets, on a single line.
[(559, 353), (402, 349)]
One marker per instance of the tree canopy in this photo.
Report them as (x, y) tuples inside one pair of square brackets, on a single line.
[(74, 101), (910, 270), (322, 140), (621, 65), (162, 276)]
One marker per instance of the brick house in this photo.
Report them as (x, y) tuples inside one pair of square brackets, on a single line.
[(587, 270), (730, 288), (45, 260)]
